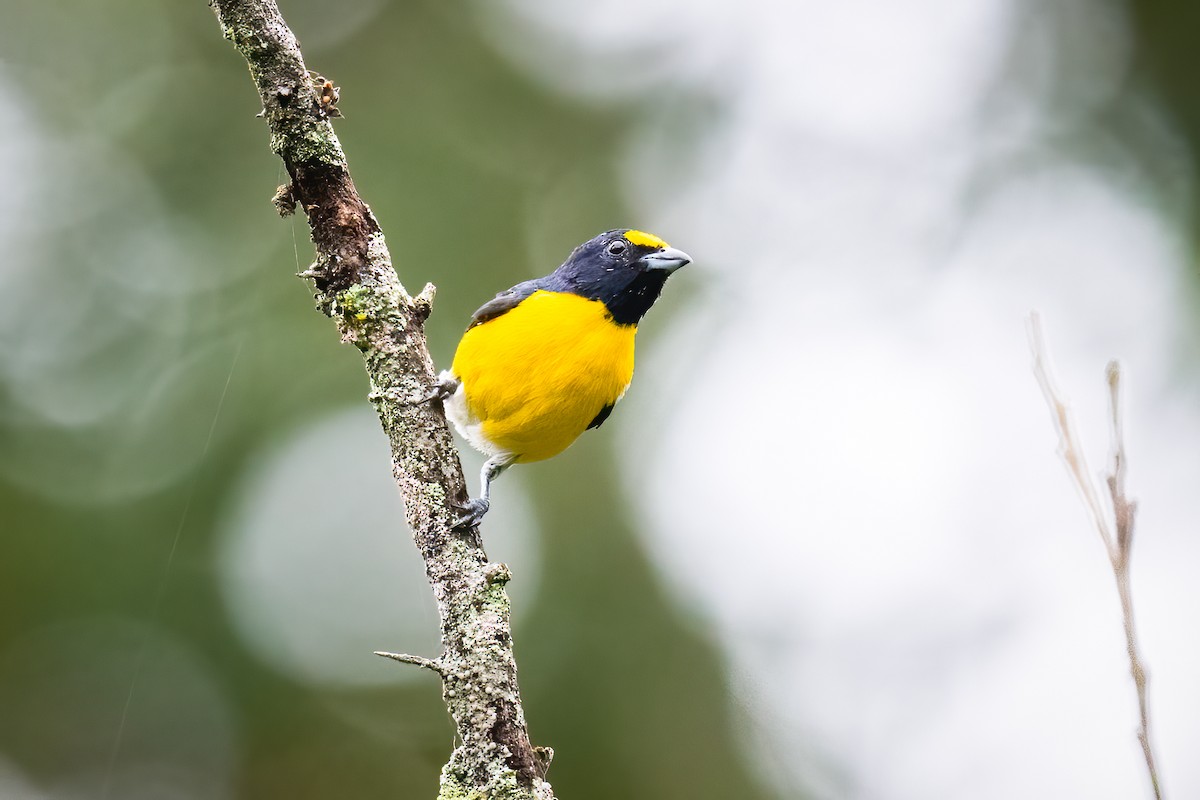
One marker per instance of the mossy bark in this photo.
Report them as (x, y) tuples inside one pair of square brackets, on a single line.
[(357, 287)]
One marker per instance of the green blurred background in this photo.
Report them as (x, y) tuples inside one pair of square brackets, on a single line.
[(170, 345), (200, 546)]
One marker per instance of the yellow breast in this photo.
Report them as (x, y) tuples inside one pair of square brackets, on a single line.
[(536, 376)]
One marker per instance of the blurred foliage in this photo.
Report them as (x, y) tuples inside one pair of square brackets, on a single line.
[(1167, 61), (155, 340)]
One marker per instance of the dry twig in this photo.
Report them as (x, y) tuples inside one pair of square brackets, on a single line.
[(1119, 545)]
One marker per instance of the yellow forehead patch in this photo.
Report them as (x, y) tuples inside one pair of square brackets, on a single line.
[(645, 239)]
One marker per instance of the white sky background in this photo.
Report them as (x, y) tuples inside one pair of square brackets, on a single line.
[(856, 482)]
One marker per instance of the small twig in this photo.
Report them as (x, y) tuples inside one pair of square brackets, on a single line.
[(1124, 510), (417, 661), (1068, 445)]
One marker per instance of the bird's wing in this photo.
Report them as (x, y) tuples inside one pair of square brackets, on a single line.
[(504, 302)]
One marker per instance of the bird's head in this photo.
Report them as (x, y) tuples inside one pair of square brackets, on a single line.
[(623, 268)]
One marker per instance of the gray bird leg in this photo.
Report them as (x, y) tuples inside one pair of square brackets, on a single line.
[(476, 508)]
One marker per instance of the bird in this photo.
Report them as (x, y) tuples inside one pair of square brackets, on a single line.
[(548, 359)]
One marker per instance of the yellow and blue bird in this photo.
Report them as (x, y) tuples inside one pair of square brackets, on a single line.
[(549, 358)]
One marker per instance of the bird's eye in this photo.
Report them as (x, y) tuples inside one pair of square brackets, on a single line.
[(616, 248)]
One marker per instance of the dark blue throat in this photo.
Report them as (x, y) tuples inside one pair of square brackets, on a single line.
[(627, 294)]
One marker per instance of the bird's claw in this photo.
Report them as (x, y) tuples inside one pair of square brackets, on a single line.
[(436, 394), (473, 513), (441, 392)]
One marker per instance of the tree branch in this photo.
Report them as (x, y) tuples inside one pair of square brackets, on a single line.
[(1119, 547), (357, 287)]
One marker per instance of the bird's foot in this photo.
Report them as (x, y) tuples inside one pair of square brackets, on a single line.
[(443, 390), (473, 513)]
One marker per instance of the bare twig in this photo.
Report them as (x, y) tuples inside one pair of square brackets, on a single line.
[(1124, 510), (356, 286), (431, 664), (1068, 444)]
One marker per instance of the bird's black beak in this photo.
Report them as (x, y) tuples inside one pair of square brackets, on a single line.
[(668, 260)]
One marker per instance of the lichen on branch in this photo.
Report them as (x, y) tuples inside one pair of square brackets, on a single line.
[(358, 288)]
